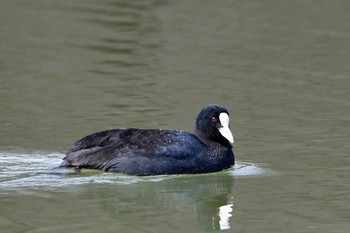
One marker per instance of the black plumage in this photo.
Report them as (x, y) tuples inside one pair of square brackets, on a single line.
[(155, 151)]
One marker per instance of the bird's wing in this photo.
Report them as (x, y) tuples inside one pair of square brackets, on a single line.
[(124, 146)]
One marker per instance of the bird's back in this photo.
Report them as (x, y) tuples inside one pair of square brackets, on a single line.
[(137, 151)]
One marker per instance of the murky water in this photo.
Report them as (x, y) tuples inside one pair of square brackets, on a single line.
[(69, 68)]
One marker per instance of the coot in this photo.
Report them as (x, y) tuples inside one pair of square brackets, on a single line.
[(155, 151)]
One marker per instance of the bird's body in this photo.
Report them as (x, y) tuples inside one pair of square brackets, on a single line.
[(155, 151)]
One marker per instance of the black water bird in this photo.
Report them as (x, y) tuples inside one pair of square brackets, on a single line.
[(155, 151)]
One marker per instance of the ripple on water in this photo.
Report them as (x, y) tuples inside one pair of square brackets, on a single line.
[(246, 169), (20, 171)]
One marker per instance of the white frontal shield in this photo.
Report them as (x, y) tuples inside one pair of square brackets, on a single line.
[(225, 130)]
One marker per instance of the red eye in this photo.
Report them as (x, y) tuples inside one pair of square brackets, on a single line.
[(214, 119)]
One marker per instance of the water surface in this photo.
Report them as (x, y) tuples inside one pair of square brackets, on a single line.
[(70, 68)]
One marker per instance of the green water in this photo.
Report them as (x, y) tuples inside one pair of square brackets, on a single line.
[(70, 68)]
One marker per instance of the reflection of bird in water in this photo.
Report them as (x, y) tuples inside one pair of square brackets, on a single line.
[(215, 215), (213, 205), (178, 200), (225, 213)]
